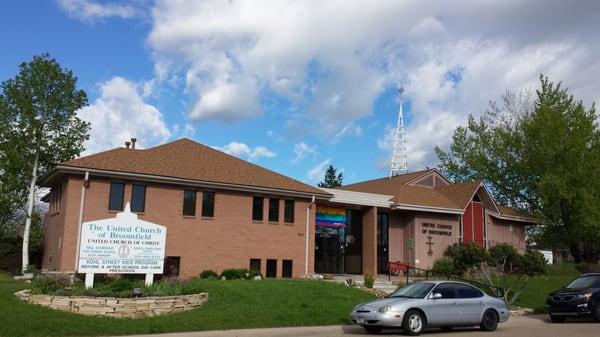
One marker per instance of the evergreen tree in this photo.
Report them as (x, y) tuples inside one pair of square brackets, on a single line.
[(332, 179)]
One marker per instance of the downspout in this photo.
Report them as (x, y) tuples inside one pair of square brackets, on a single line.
[(80, 222), (307, 235)]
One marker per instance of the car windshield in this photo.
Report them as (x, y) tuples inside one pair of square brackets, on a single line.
[(585, 282), (414, 290)]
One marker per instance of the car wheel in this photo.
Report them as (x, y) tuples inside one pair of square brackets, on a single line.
[(489, 321), (557, 319), (597, 313), (373, 329), (413, 323)]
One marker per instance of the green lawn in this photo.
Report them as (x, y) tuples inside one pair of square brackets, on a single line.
[(537, 288), (232, 304)]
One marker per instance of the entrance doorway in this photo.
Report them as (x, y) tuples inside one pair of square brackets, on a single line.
[(329, 250), (353, 250), (383, 225)]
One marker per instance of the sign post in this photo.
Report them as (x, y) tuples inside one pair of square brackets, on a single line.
[(121, 245)]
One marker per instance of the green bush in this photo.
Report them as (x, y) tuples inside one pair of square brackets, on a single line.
[(239, 274), (443, 266), (369, 280), (49, 284), (209, 274), (252, 274), (586, 267), (111, 287), (466, 256), (171, 287), (503, 256), (532, 263)]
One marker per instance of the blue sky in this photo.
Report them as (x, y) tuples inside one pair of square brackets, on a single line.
[(297, 86)]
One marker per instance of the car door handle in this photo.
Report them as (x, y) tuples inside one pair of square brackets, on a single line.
[(454, 303)]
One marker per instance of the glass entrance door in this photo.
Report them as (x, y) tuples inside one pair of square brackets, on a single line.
[(329, 250), (383, 225)]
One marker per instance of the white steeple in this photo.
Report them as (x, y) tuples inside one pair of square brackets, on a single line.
[(399, 163)]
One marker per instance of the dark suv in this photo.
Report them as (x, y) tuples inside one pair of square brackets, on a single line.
[(581, 298)]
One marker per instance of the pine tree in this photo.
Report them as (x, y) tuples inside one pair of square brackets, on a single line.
[(332, 180)]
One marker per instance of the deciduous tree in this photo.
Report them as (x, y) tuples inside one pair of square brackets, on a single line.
[(541, 156), (40, 125)]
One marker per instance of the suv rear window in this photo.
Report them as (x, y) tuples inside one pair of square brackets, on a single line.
[(585, 282)]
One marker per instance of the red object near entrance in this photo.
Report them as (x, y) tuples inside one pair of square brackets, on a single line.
[(473, 223)]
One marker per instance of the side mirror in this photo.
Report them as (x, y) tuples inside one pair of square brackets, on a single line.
[(436, 296)]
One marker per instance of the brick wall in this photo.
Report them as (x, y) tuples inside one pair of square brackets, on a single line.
[(227, 240)]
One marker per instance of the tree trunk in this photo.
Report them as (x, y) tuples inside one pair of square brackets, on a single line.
[(30, 202), (577, 251)]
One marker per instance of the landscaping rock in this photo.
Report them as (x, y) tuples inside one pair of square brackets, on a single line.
[(116, 307)]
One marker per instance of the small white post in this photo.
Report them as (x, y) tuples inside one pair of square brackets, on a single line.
[(89, 280), (149, 279)]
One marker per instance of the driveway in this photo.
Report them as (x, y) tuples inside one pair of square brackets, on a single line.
[(527, 326)]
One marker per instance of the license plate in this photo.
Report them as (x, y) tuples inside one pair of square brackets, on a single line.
[(360, 320)]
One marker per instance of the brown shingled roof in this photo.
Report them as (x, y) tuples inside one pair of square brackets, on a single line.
[(460, 194), (453, 196), (187, 159), (505, 210), (423, 196), (385, 185)]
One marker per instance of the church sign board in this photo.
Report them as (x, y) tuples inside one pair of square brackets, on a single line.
[(121, 245)]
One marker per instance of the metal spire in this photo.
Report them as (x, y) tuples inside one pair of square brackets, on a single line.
[(399, 163)]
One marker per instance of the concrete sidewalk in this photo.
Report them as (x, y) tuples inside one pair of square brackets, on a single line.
[(530, 326)]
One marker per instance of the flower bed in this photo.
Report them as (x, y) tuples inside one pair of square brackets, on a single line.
[(114, 306)]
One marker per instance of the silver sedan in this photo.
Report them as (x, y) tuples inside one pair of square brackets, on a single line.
[(440, 304)]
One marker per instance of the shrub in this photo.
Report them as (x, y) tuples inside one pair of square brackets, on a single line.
[(443, 266), (369, 280), (466, 256), (209, 274), (48, 284), (532, 263), (239, 274), (504, 257), (252, 274), (170, 287), (586, 267)]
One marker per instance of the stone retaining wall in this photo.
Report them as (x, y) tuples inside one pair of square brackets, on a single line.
[(116, 307)]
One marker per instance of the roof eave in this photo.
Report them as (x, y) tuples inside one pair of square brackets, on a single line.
[(422, 208), (514, 218), (183, 181)]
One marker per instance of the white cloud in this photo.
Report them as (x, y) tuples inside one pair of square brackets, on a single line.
[(244, 151), (302, 150), (331, 59), (121, 113), (87, 10), (317, 172)]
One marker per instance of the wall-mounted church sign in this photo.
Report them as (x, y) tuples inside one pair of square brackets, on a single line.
[(436, 229), (121, 245)]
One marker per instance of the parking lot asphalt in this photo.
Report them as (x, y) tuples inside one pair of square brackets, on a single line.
[(525, 326)]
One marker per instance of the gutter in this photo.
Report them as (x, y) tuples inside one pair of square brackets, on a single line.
[(307, 235), (84, 185), (186, 182), (514, 218)]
